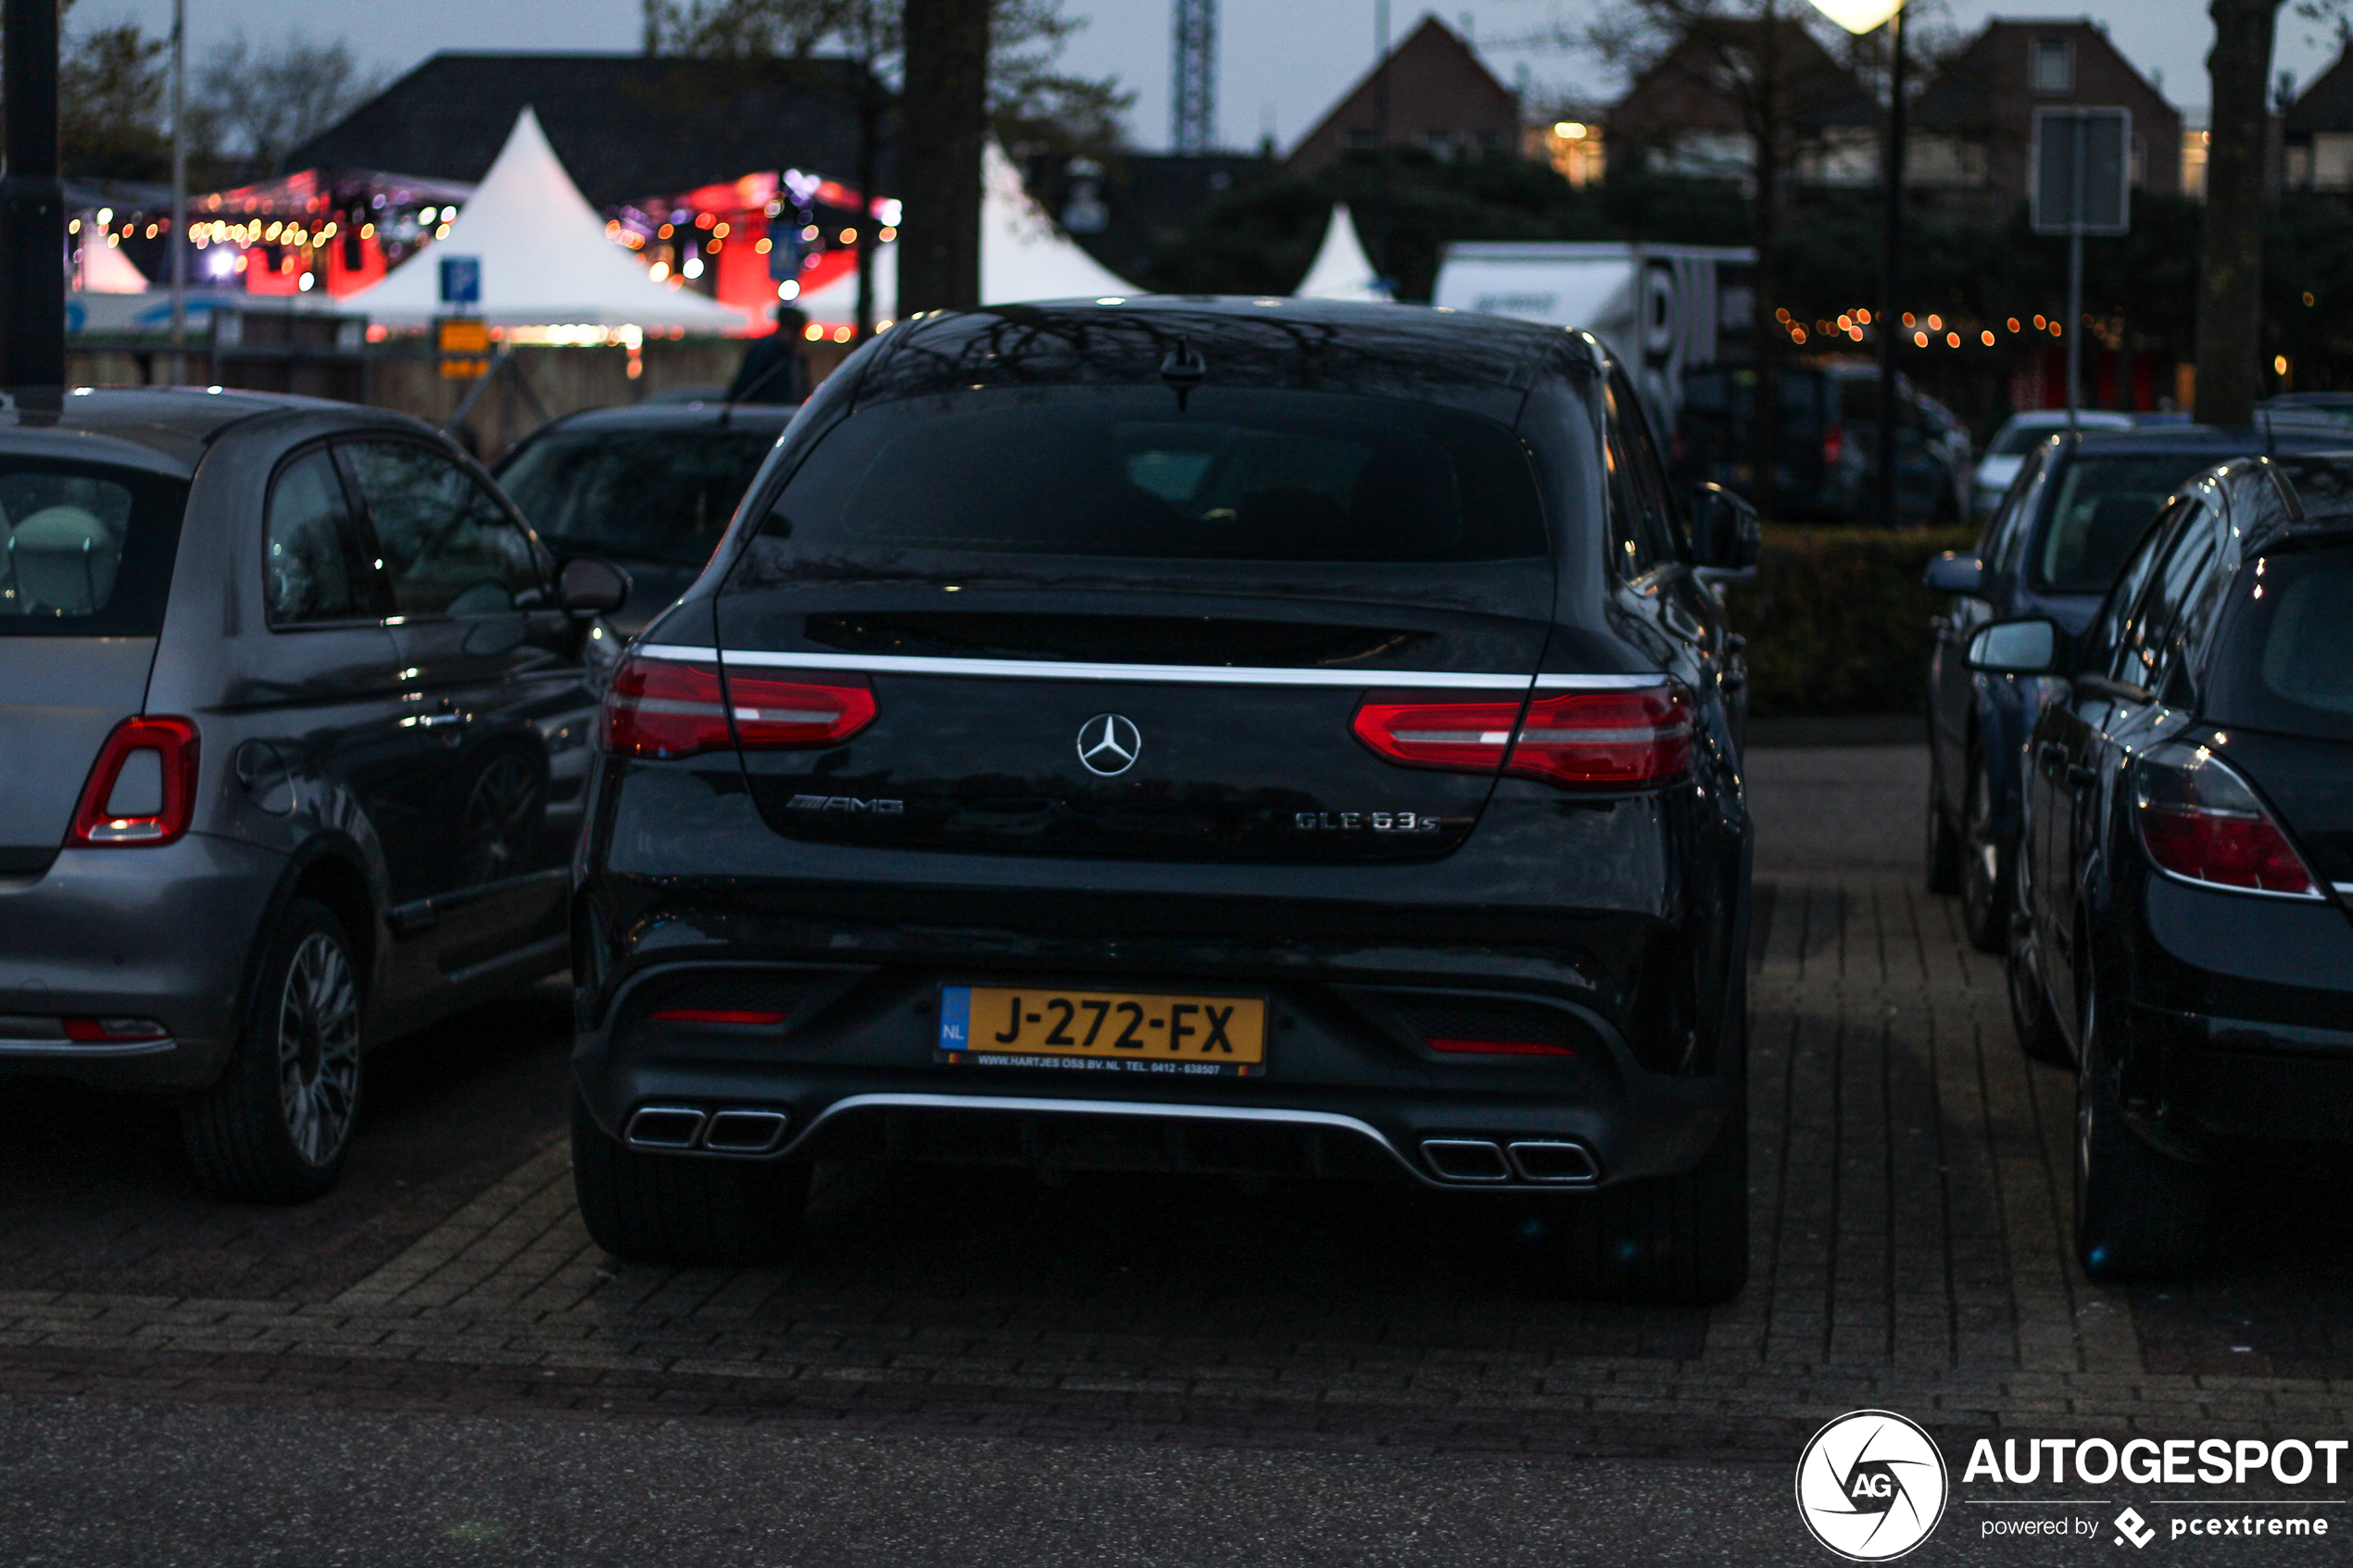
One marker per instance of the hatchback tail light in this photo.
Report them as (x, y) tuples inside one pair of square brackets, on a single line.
[(670, 709), (143, 788), (1577, 740), (2200, 821), (1834, 445)]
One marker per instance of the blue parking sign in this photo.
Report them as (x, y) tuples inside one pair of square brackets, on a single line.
[(461, 280)]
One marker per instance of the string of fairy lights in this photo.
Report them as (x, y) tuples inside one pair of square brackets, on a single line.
[(1932, 331)]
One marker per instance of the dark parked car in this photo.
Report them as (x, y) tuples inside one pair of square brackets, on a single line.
[(1274, 738), (651, 487), (2185, 907), (2075, 513), (295, 726), (1828, 443)]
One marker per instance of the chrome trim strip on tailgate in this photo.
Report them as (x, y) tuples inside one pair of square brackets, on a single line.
[(1194, 674)]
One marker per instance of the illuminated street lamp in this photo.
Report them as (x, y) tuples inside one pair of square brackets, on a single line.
[(1860, 17)]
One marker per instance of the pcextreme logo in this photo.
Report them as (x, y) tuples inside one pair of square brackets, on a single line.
[(1870, 1486)]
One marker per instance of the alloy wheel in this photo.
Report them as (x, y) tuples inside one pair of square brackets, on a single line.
[(318, 1048)]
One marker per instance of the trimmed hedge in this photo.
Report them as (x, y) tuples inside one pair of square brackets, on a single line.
[(1837, 621)]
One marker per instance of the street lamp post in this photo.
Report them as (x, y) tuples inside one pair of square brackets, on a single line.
[(1860, 17)]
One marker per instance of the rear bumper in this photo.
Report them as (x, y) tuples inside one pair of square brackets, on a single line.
[(160, 933), (2242, 1015)]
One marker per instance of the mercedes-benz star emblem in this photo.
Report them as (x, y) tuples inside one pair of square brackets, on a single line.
[(1107, 744)]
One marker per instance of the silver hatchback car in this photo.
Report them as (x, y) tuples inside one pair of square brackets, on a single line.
[(296, 718)]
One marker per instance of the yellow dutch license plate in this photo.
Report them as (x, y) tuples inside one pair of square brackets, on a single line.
[(1103, 1030)]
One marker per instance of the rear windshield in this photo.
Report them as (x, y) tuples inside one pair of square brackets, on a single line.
[(1223, 475), (86, 551), (2285, 662), (651, 495), (2105, 504), (2015, 439)]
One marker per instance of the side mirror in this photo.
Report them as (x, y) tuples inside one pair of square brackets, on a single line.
[(1726, 534), (589, 587), (2016, 648), (1954, 572)]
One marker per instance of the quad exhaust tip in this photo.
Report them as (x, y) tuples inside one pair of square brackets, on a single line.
[(1545, 1161), (680, 1129)]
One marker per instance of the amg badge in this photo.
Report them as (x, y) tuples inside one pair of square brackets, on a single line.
[(846, 803)]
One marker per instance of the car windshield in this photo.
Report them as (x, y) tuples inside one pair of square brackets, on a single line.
[(2105, 503), (662, 496), (2286, 661), (86, 551), (1220, 474), (2017, 438)]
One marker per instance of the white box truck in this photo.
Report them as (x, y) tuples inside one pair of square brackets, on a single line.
[(1661, 309)]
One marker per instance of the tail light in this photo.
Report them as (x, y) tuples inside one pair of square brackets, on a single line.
[(1577, 740), (777, 715), (670, 709), (1834, 445), (1499, 1047), (143, 788), (663, 708), (716, 1015), (1604, 740), (2200, 821)]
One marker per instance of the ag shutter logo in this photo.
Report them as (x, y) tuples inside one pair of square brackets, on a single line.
[(1870, 1486)]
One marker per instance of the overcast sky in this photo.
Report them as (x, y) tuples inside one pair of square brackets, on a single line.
[(1282, 62)]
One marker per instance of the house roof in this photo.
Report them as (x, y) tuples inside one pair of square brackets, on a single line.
[(1678, 91), (629, 126), (1964, 92), (2327, 105), (1432, 37)]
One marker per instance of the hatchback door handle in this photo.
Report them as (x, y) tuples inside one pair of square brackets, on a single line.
[(2080, 776), (2050, 754), (436, 720)]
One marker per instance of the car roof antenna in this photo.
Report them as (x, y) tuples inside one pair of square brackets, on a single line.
[(1183, 371)]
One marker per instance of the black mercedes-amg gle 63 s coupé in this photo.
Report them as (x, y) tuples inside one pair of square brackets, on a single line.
[(1228, 736)]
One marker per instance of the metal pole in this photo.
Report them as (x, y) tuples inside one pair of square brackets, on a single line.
[(32, 208), (178, 242), (2074, 332), (1891, 322)]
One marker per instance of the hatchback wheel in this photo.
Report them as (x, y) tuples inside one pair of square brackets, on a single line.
[(276, 1126), (682, 1208), (2140, 1213), (1985, 868)]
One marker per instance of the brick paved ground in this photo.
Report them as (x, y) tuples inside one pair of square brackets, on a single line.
[(1909, 1174)]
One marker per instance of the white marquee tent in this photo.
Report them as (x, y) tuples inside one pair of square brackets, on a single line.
[(1342, 269), (545, 258), (1023, 256)]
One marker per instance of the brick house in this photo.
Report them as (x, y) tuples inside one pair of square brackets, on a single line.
[(1683, 114), (1973, 129), (1432, 92)]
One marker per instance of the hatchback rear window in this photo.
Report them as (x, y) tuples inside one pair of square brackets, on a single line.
[(662, 496), (86, 551), (1223, 475), (2106, 503), (2285, 662)]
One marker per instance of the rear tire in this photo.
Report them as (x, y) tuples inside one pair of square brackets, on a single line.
[(1987, 867), (684, 1209), (2140, 1213), (276, 1126), (1680, 1239)]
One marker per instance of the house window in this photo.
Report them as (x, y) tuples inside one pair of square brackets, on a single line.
[(2055, 65)]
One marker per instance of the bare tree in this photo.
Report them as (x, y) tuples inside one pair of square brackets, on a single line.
[(260, 103)]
